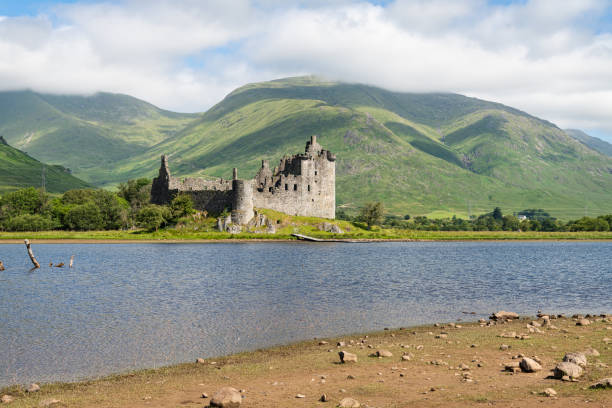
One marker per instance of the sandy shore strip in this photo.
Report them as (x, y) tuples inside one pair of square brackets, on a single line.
[(443, 365)]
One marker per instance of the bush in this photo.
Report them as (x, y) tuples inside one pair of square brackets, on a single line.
[(111, 214), (152, 217), (372, 214), (84, 217), (181, 206), (136, 192), (24, 201), (30, 222), (590, 224)]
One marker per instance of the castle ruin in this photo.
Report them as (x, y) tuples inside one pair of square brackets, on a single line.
[(302, 184)]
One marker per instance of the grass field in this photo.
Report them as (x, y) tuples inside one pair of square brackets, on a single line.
[(459, 365)]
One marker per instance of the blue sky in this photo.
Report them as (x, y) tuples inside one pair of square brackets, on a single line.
[(550, 58)]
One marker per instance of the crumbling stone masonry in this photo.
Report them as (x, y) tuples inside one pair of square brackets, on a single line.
[(302, 184)]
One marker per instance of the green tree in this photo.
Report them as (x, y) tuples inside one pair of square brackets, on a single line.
[(372, 214), (497, 214), (590, 224), (152, 217), (84, 217), (181, 206), (29, 222), (510, 223), (549, 224), (112, 209), (24, 201), (534, 214), (136, 192)]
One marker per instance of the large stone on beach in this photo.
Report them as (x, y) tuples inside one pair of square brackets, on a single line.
[(568, 369), (33, 388), (349, 403), (226, 397), (48, 403), (383, 353), (576, 358), (513, 366), (529, 365), (605, 383), (590, 351), (346, 357), (583, 322), (503, 315)]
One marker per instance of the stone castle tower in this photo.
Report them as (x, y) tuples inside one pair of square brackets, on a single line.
[(302, 184)]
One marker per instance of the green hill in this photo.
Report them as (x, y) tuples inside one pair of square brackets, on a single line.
[(18, 170), (594, 143), (85, 133), (434, 154), (430, 154)]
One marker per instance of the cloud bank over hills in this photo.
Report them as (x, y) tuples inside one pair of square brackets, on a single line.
[(552, 59)]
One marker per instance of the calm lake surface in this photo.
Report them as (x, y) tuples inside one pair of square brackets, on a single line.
[(124, 307)]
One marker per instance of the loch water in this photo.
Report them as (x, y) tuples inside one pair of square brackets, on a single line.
[(129, 306)]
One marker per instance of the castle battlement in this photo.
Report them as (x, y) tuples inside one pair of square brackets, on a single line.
[(302, 184)]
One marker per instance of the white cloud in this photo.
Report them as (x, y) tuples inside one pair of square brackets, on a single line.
[(543, 56)]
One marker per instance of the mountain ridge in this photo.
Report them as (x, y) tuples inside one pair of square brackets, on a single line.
[(422, 154), (84, 132), (592, 142)]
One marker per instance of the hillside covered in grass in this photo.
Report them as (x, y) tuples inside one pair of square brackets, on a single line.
[(592, 142), (18, 170), (87, 134), (432, 154)]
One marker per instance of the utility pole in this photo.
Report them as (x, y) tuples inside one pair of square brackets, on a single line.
[(44, 181)]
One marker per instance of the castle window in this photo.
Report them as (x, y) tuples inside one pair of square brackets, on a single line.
[(270, 189), (295, 187), (309, 187), (286, 187), (315, 172)]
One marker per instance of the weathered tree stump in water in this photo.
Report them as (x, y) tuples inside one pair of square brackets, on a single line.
[(1, 266), (31, 254), (71, 260), (59, 265)]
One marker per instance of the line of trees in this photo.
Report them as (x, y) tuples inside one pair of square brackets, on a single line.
[(30, 209), (530, 220)]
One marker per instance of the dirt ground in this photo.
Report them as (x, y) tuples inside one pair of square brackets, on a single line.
[(433, 377)]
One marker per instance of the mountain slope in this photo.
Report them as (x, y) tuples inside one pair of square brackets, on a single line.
[(431, 154), (18, 170), (85, 133), (594, 143), (418, 153)]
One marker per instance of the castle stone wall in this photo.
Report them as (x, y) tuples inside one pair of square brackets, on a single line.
[(302, 184)]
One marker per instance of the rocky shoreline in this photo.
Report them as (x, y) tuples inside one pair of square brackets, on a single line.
[(507, 360)]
